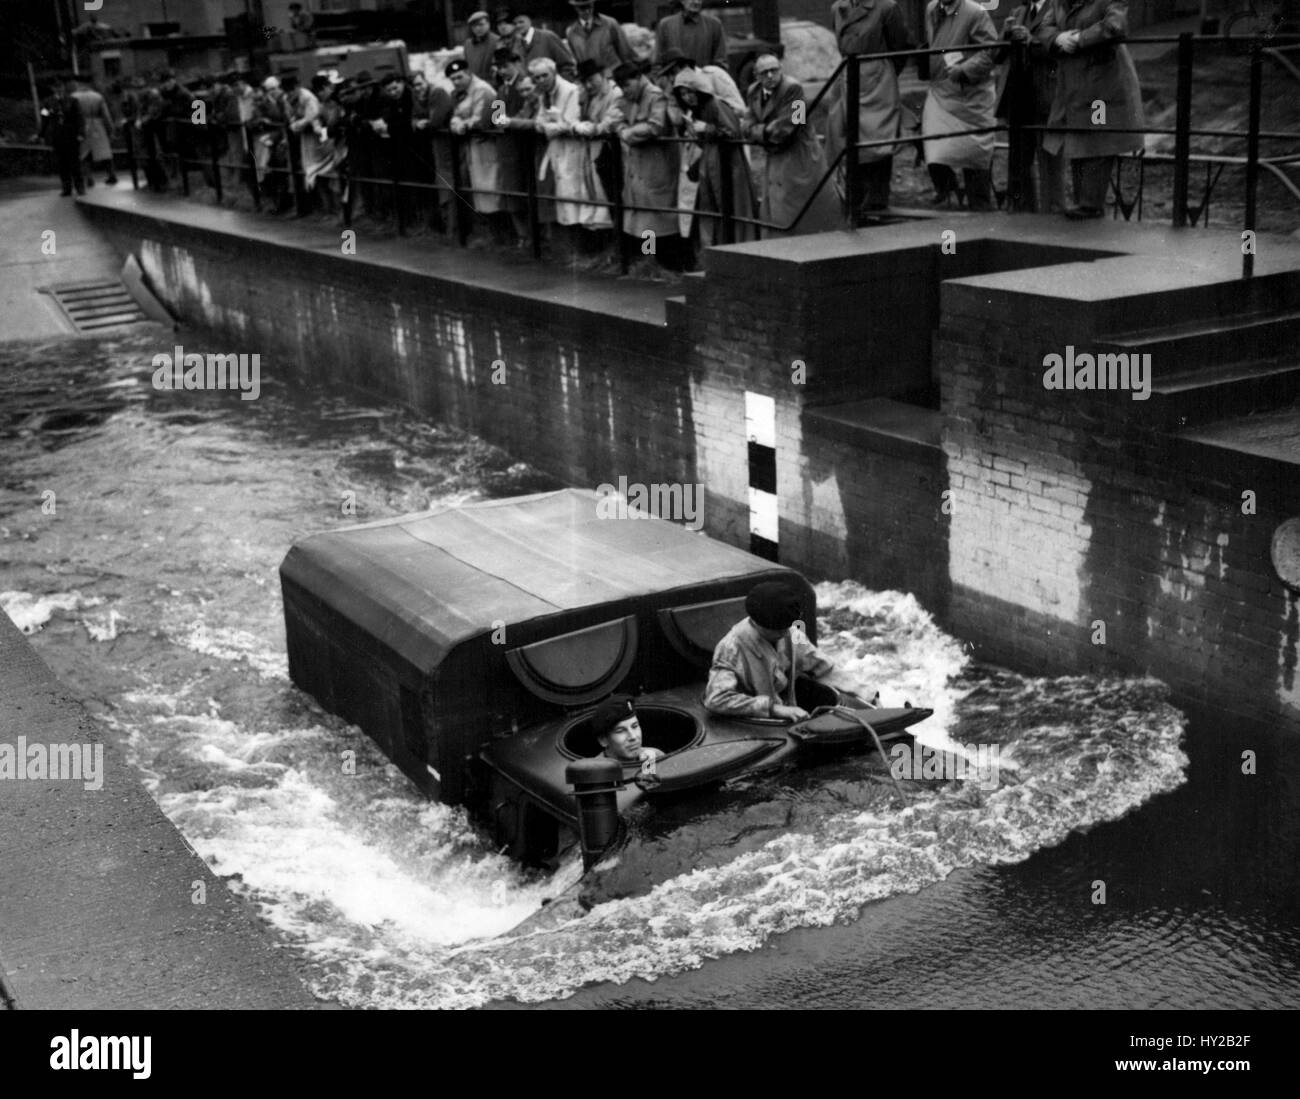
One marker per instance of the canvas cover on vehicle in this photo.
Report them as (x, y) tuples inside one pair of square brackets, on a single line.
[(427, 583), (438, 632)]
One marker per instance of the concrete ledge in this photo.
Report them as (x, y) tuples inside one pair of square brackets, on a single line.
[(98, 905), (622, 311), (890, 427)]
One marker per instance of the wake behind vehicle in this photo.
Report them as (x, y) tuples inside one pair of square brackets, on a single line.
[(473, 644)]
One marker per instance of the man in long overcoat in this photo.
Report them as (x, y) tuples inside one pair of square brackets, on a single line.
[(961, 97), (63, 127), (1097, 90), (794, 164), (649, 163), (870, 26)]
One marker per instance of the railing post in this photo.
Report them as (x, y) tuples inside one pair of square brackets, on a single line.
[(294, 158), (1019, 182), (534, 211), (347, 197), (250, 160), (727, 197), (852, 184), (1182, 128), (616, 145), (399, 163), (1252, 151), (216, 163), (182, 147), (128, 130), (455, 142)]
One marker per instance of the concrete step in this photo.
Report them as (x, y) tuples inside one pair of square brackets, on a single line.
[(1236, 389), (1214, 302), (1194, 348)]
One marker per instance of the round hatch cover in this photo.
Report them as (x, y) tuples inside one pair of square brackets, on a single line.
[(1286, 552)]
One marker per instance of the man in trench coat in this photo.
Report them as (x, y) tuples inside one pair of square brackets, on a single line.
[(870, 26), (1097, 90), (794, 164), (649, 165)]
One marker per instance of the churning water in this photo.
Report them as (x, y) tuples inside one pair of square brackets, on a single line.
[(148, 581)]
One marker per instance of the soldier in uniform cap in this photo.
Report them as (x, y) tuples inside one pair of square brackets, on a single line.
[(618, 731)]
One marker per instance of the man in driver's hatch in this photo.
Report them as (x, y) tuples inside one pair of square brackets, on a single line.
[(750, 676)]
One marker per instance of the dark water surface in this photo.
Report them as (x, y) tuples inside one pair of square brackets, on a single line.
[(152, 591)]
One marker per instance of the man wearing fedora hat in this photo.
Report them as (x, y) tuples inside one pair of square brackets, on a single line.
[(480, 45), (598, 38)]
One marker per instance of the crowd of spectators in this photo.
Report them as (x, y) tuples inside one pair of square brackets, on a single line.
[(566, 128)]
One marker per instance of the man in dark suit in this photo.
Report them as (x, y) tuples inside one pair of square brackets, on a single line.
[(63, 126), (1027, 98)]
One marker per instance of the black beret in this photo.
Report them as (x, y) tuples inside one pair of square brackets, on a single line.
[(455, 65), (609, 713), (773, 605)]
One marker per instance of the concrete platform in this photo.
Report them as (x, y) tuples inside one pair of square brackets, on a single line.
[(29, 207), (546, 284), (100, 905)]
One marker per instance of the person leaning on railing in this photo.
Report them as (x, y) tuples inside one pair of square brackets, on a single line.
[(562, 168), (649, 168), (471, 118), (601, 114), (794, 165), (517, 116), (866, 27), (1097, 91), (320, 174), (720, 166), (270, 116)]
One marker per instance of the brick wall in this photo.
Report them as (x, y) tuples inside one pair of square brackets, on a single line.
[(1073, 508)]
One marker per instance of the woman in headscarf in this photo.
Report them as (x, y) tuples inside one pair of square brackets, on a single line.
[(713, 122)]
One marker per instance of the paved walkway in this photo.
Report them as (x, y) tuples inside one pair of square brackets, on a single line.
[(29, 207), (98, 890)]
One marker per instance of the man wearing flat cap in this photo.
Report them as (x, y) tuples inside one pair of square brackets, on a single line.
[(618, 731), (480, 45), (598, 38), (756, 663)]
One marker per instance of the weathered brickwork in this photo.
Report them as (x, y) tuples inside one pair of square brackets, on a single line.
[(1077, 512)]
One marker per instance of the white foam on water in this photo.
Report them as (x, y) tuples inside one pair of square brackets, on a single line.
[(380, 910), (30, 612)]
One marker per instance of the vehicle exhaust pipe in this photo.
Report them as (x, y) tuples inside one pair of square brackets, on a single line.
[(595, 784)]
